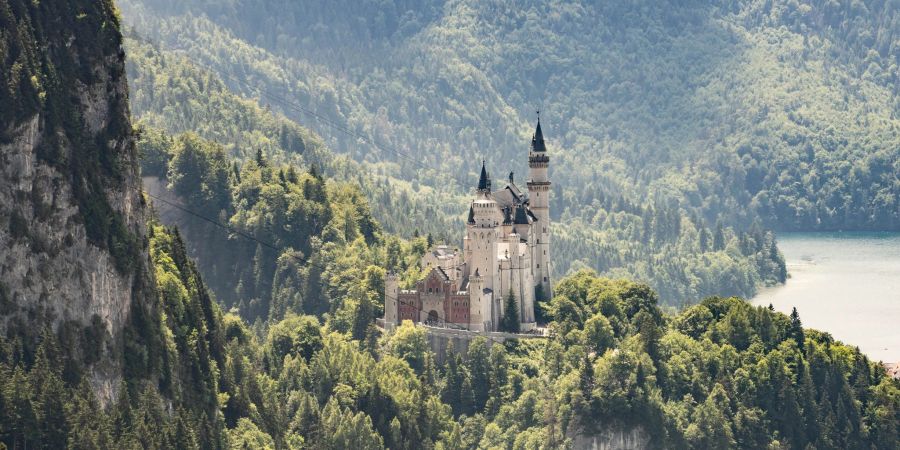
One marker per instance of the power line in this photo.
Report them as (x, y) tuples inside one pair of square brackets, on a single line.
[(303, 260), (321, 118), (214, 222)]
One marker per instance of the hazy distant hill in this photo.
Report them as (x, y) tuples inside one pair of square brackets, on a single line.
[(95, 290), (787, 111), (784, 116)]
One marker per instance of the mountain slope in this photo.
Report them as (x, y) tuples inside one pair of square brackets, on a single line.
[(720, 374), (645, 240), (785, 112)]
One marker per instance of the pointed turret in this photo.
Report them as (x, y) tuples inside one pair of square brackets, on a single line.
[(484, 183), (539, 205), (537, 141)]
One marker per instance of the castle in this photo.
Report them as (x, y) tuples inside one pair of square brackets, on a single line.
[(506, 250)]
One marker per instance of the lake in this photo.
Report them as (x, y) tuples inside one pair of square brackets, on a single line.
[(847, 284)]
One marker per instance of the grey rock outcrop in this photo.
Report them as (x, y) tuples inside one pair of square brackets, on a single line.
[(53, 273)]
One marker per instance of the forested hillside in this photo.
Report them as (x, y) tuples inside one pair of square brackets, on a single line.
[(304, 255), (684, 255), (170, 92), (721, 374), (785, 111), (273, 239)]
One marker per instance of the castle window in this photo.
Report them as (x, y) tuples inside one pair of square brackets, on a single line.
[(539, 266), (545, 279)]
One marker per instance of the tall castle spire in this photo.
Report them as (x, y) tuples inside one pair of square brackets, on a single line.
[(484, 183), (539, 200), (537, 141)]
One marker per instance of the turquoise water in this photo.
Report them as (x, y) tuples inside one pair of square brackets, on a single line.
[(847, 284)]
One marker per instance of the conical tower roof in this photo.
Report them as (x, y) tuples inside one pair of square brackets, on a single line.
[(537, 142), (484, 183)]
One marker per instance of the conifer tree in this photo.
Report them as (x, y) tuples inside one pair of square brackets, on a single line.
[(362, 317), (479, 371), (510, 321), (586, 379), (260, 158), (796, 330), (719, 237)]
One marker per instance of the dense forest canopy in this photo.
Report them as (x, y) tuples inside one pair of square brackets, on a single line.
[(721, 374), (190, 73), (781, 111), (304, 258), (273, 239)]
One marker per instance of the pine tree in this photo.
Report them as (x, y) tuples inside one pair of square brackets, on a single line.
[(260, 158), (510, 321), (719, 237), (586, 379), (796, 330), (704, 239), (499, 379), (371, 341), (479, 371), (362, 317)]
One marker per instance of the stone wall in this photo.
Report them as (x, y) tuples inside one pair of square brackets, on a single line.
[(439, 339)]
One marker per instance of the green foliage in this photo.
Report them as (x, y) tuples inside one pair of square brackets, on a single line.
[(313, 239), (448, 76), (408, 343), (294, 336), (198, 172), (630, 366), (510, 320), (720, 374), (622, 233), (169, 92), (809, 141), (248, 435)]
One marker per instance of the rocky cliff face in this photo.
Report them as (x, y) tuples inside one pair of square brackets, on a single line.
[(613, 438), (72, 250)]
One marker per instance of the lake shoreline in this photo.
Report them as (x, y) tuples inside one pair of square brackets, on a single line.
[(846, 284)]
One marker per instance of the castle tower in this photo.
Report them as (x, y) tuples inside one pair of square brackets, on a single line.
[(483, 232), (539, 201), (478, 303), (391, 301)]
